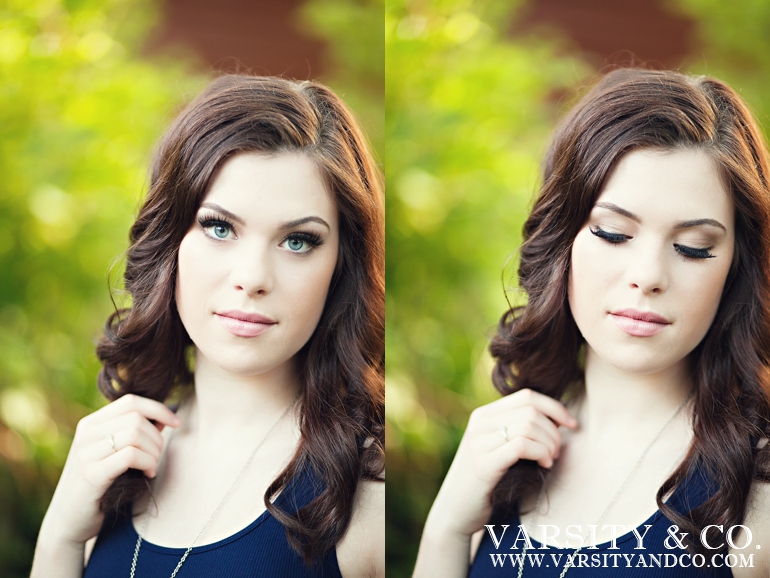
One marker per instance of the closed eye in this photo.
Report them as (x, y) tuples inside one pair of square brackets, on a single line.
[(613, 238), (683, 250), (694, 252)]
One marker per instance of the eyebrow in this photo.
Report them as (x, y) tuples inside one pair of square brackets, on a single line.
[(288, 225), (683, 225), (225, 212), (302, 221)]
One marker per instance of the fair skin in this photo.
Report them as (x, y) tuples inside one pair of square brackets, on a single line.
[(265, 242), (660, 239)]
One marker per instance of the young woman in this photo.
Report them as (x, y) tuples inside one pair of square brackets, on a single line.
[(256, 272), (631, 438)]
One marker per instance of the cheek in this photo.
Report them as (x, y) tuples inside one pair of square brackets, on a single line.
[(702, 300), (190, 277), (590, 274), (309, 288), (703, 285)]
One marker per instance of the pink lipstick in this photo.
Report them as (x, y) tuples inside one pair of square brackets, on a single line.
[(639, 323), (244, 324)]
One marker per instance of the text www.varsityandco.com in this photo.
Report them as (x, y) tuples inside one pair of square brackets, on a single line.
[(623, 560), (675, 543)]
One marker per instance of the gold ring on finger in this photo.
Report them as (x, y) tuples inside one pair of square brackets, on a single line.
[(504, 432), (111, 439)]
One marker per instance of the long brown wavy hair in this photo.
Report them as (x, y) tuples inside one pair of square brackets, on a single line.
[(538, 345), (145, 348)]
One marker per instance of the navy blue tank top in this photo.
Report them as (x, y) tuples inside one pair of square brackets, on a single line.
[(660, 554), (260, 549)]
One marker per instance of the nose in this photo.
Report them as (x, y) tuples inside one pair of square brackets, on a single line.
[(252, 270), (647, 270)]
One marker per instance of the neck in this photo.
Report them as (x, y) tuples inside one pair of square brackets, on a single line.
[(227, 405), (614, 399)]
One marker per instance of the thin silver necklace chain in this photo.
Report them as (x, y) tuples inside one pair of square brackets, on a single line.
[(628, 477), (222, 501)]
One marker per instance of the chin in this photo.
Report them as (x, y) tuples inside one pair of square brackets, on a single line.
[(248, 368), (242, 370), (240, 363), (638, 363)]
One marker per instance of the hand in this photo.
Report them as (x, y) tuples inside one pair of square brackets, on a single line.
[(92, 464), (530, 421)]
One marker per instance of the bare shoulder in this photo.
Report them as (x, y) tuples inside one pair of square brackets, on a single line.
[(361, 552), (758, 523)]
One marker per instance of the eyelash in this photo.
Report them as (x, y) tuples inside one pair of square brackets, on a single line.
[(310, 238), (683, 250), (208, 221)]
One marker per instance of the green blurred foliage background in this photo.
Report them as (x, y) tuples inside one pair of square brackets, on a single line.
[(80, 109), (469, 112), (355, 57)]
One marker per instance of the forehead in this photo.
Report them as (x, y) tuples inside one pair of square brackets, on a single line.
[(669, 186), (284, 186)]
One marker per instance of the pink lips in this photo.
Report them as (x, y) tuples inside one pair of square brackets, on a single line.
[(639, 323), (244, 324)]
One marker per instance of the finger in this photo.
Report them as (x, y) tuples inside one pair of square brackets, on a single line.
[(529, 417), (522, 448), (541, 430), (128, 458), (149, 408), (534, 431), (139, 423), (102, 448), (534, 426), (547, 405), (139, 438), (120, 429)]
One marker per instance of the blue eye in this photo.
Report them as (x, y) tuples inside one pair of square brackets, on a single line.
[(301, 243), (295, 244), (216, 228)]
